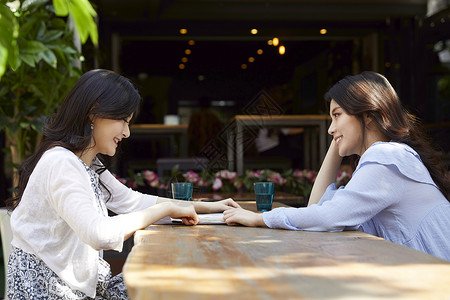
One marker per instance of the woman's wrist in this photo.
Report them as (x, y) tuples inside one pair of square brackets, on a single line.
[(260, 221)]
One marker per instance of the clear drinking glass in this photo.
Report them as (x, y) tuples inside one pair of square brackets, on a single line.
[(264, 195)]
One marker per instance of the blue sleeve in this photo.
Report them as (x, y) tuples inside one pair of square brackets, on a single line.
[(372, 188)]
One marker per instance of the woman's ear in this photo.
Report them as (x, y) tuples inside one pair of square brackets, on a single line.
[(367, 119)]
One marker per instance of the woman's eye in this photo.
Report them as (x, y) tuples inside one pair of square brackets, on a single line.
[(336, 115)]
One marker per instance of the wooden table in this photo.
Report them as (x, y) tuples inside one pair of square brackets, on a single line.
[(237, 140), (286, 198), (235, 262)]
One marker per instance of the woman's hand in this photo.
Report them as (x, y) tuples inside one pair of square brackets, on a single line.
[(234, 216), (183, 210), (215, 207)]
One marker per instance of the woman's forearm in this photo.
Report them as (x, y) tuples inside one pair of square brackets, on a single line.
[(143, 218), (327, 174)]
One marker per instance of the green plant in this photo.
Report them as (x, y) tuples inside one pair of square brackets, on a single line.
[(38, 62)]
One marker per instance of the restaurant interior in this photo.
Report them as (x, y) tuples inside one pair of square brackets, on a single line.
[(226, 61), (194, 56), (229, 52)]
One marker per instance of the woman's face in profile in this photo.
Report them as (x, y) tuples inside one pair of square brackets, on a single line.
[(346, 131), (107, 133)]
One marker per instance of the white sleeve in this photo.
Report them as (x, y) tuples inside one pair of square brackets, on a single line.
[(372, 188), (123, 199)]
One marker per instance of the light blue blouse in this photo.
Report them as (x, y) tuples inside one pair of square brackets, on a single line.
[(391, 195)]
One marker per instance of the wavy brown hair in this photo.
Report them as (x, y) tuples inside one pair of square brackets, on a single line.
[(371, 93), (98, 93)]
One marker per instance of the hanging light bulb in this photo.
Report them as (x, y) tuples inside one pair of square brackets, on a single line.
[(260, 51), (183, 30), (323, 31), (254, 31), (275, 41), (281, 50)]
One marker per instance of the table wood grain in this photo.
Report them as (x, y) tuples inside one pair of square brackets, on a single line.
[(235, 262)]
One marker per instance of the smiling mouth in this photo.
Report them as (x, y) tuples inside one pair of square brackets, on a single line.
[(338, 139), (116, 141)]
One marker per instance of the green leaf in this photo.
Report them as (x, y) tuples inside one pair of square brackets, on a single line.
[(61, 7), (51, 35), (82, 14), (3, 59), (9, 30), (31, 47), (32, 4), (13, 56), (49, 57), (28, 59)]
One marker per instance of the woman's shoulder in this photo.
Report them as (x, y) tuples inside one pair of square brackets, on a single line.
[(58, 156), (401, 157), (391, 150)]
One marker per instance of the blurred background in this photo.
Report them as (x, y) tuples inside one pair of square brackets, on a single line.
[(181, 51)]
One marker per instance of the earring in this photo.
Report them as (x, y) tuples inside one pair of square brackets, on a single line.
[(92, 126)]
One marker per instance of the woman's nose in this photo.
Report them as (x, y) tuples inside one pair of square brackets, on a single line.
[(126, 131), (332, 128)]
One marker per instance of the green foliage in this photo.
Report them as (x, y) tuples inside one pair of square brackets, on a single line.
[(14, 52), (41, 56)]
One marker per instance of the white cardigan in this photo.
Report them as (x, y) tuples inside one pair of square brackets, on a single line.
[(60, 220)]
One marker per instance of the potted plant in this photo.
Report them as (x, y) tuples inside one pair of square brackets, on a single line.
[(38, 59)]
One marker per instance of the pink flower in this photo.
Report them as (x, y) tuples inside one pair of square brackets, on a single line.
[(217, 184), (343, 177), (277, 178), (254, 174), (191, 176), (151, 178), (202, 182), (164, 186), (225, 174)]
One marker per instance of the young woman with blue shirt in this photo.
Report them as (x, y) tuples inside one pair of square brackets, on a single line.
[(60, 221), (399, 190)]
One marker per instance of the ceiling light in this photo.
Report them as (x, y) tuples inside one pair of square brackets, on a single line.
[(187, 51), (275, 41), (323, 31), (251, 59), (259, 51), (281, 50), (183, 30), (254, 31)]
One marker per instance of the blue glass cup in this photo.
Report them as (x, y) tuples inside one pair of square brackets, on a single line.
[(264, 195), (182, 190)]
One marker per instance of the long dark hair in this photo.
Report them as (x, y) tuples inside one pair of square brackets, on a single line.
[(98, 93), (371, 93)]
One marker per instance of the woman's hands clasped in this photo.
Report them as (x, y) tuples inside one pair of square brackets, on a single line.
[(235, 216)]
